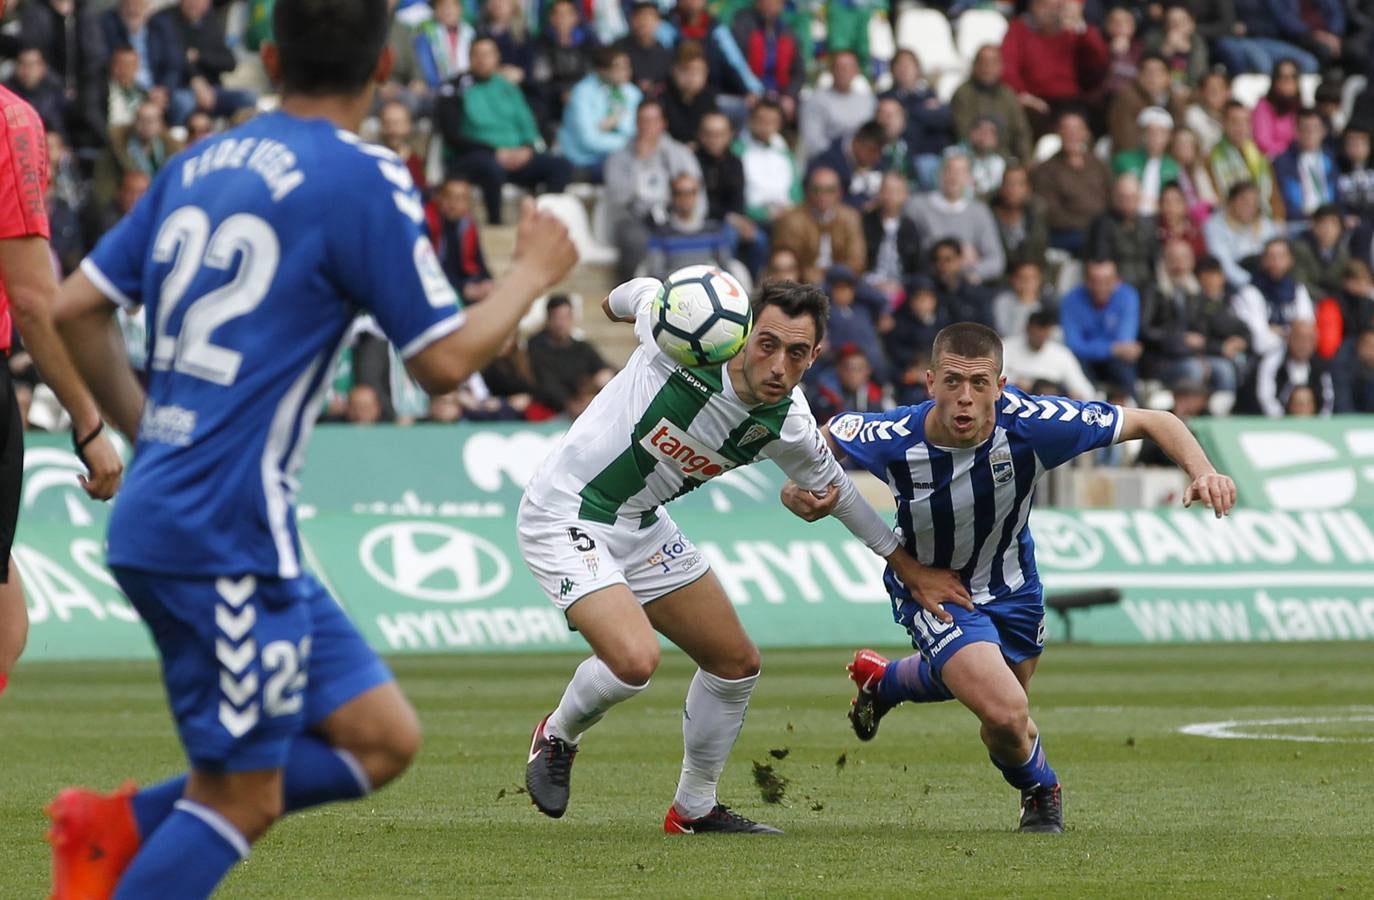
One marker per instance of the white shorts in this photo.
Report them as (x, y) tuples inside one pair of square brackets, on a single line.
[(571, 557)]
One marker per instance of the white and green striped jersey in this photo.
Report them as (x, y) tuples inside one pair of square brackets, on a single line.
[(659, 430)]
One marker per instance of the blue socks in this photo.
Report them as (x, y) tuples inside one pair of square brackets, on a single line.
[(316, 773), (193, 849), (1033, 773), (911, 679)]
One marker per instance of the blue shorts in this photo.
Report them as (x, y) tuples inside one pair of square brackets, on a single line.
[(1015, 623), (249, 663)]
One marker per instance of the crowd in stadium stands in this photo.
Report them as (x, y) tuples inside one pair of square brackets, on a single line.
[(1153, 202)]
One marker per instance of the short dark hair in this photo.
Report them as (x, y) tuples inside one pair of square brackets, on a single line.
[(1152, 57), (1357, 268), (688, 52), (1310, 112), (1234, 104), (969, 340), (871, 133), (604, 57), (485, 39), (794, 299), (944, 244), (1327, 211), (767, 103), (329, 46), (1208, 263), (1040, 319), (1240, 187), (556, 301)]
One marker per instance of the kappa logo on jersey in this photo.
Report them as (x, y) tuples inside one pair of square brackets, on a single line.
[(1003, 470), (670, 444), (846, 427), (883, 431)]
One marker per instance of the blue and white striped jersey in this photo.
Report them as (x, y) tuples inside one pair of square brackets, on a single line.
[(253, 251), (967, 509)]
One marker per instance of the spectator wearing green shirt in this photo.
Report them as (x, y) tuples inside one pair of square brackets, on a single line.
[(490, 135)]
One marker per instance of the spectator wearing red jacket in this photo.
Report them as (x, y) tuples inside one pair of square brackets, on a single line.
[(773, 54), (1051, 57)]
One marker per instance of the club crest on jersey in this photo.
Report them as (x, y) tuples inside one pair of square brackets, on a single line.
[(669, 444), (846, 427), (1002, 468), (753, 433), (1094, 416)]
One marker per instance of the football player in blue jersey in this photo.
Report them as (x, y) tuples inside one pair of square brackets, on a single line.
[(963, 468), (252, 253)]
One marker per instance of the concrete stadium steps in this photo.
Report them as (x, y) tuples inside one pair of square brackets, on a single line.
[(615, 342)]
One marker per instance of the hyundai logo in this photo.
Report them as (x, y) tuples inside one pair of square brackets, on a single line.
[(434, 562)]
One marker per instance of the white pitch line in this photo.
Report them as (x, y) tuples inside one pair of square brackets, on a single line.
[(1223, 730), (1056, 579)]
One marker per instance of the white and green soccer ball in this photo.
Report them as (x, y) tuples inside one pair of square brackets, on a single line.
[(702, 317)]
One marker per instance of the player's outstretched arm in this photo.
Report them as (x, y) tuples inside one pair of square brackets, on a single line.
[(930, 586), (27, 269), (86, 319), (1209, 487), (544, 254)]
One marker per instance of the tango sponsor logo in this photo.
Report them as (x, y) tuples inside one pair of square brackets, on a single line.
[(670, 444)]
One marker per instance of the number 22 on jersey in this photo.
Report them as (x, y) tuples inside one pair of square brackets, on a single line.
[(186, 241)]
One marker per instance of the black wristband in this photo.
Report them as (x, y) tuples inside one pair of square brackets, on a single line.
[(82, 443)]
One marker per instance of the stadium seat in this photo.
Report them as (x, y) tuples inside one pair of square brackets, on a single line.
[(1248, 89), (1103, 148), (926, 33), (1307, 88), (1047, 146), (1350, 92), (881, 45), (949, 83), (977, 28), (573, 215), (601, 224)]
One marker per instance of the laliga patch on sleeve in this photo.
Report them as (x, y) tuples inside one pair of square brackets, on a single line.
[(436, 284), (846, 427)]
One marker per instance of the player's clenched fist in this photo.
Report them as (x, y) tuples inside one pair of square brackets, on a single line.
[(543, 248), (103, 466), (809, 506), (1213, 490)]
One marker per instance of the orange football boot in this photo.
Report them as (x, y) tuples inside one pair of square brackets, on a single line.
[(93, 837)]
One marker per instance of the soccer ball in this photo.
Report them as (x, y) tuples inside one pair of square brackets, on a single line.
[(702, 317)]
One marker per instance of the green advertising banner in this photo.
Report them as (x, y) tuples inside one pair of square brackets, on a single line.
[(1295, 463), (422, 554)]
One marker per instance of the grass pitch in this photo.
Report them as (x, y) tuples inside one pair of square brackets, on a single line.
[(1151, 812)]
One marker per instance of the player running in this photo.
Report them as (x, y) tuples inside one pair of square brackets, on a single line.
[(28, 286), (253, 252), (593, 531), (963, 468)]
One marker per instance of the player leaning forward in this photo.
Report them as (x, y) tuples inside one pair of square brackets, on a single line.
[(593, 531), (253, 251), (963, 468)]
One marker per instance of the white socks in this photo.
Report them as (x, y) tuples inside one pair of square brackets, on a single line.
[(711, 721), (594, 689)]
